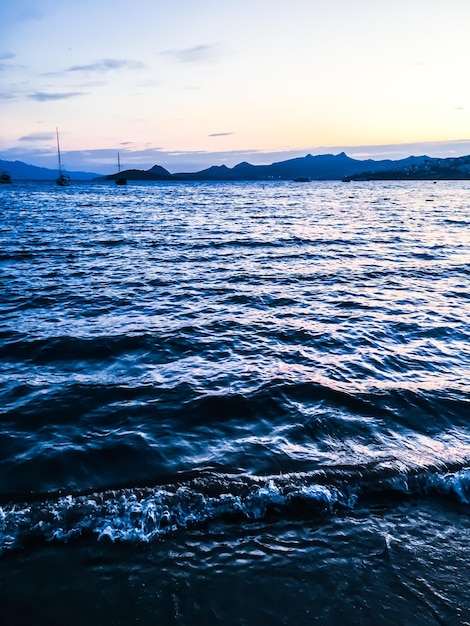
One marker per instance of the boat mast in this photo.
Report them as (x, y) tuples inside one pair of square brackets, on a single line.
[(58, 150), (119, 164)]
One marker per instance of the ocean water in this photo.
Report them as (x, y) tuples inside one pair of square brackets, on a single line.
[(235, 403)]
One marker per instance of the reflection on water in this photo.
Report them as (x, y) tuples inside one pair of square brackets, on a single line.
[(226, 403)]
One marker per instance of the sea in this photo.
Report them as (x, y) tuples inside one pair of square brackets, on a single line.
[(235, 403)]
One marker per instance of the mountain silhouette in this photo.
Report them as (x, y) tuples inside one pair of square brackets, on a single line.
[(23, 171), (307, 168), (320, 167)]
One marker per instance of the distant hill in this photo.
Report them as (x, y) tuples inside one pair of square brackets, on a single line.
[(154, 173), (320, 167), (455, 168), (23, 171)]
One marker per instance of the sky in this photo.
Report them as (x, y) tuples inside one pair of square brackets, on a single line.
[(191, 83)]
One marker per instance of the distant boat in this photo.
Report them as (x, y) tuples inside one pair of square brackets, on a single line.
[(120, 180), (302, 179), (62, 180), (5, 178)]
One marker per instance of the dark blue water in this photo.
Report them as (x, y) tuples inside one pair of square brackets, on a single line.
[(235, 403)]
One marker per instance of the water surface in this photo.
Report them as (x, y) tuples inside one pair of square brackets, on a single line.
[(226, 403)]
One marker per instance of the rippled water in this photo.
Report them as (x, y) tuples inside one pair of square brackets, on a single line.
[(231, 403)]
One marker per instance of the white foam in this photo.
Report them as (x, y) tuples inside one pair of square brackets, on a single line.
[(142, 515)]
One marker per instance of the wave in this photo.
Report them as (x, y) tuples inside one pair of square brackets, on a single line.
[(423, 408), (98, 433), (66, 348), (144, 514)]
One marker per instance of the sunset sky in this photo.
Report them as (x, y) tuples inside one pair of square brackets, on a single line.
[(190, 83)]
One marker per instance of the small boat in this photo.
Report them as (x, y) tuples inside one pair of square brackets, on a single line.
[(62, 180), (302, 179), (120, 180), (5, 178)]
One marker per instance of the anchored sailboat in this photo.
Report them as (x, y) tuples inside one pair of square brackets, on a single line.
[(120, 180), (62, 180), (5, 178)]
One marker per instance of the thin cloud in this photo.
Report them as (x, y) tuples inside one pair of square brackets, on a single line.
[(42, 96), (37, 137), (7, 56), (107, 65), (196, 54), (220, 134)]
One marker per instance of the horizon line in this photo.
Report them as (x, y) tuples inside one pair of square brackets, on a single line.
[(98, 161)]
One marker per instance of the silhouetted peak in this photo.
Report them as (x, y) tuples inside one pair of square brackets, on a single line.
[(216, 168), (158, 169)]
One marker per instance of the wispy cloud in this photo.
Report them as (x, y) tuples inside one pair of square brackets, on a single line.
[(220, 134), (42, 96), (196, 54), (37, 137), (107, 65), (6, 56)]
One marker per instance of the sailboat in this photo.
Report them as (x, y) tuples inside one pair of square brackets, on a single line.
[(120, 180), (62, 180), (5, 178)]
